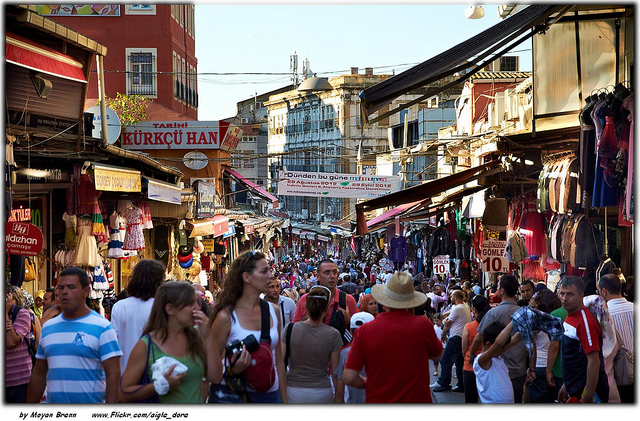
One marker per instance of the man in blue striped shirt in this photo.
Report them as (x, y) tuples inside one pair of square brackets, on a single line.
[(78, 357)]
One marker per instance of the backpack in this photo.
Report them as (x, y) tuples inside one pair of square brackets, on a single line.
[(30, 339), (261, 374), (338, 321)]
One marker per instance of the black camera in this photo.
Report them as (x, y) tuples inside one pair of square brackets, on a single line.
[(236, 346)]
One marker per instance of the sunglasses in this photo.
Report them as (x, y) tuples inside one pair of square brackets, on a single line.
[(251, 255)]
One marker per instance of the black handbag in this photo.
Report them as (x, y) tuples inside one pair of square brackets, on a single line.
[(233, 391)]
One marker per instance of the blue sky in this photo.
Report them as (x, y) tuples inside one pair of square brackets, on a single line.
[(259, 38)]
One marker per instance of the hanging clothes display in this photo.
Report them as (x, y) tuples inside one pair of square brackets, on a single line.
[(70, 234), (87, 248), (533, 226), (117, 227), (134, 238)]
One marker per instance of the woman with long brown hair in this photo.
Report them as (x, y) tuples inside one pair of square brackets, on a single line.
[(176, 328), (238, 314)]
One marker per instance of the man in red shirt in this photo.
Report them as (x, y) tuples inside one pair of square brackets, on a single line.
[(582, 364), (328, 277), (392, 348)]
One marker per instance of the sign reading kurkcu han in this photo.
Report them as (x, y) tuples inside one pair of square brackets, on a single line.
[(174, 135)]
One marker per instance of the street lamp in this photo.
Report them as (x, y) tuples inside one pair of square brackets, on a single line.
[(315, 84), (474, 12)]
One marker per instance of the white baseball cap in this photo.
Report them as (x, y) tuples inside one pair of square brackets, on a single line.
[(360, 318)]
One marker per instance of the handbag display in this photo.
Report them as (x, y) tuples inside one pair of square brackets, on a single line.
[(29, 270), (623, 364)]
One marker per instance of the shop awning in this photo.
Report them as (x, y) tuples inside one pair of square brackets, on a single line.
[(218, 225), (390, 214), (424, 191), (469, 57), (254, 187), (163, 192), (26, 53)]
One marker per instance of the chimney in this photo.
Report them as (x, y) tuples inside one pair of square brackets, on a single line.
[(368, 71), (354, 70)]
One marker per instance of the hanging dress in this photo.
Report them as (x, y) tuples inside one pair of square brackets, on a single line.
[(134, 238), (533, 226), (87, 249), (603, 193), (117, 227), (70, 235), (628, 196)]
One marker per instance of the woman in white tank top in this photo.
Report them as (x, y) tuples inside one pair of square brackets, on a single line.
[(237, 314)]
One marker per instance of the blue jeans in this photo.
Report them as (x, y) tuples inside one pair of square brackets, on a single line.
[(452, 354), (539, 390), (266, 397)]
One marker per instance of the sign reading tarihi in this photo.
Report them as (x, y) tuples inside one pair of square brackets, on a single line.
[(174, 135)]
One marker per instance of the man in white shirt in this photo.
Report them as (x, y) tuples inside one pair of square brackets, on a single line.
[(285, 304), (454, 324), (621, 312)]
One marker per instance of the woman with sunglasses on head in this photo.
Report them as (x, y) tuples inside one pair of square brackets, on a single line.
[(177, 329), (238, 314), (312, 346)]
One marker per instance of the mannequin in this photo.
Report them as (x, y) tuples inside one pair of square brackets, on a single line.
[(398, 251)]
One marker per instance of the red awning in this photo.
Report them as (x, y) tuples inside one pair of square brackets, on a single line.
[(26, 53), (215, 226), (253, 186), (391, 213)]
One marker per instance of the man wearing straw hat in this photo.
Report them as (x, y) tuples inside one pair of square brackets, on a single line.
[(392, 348)]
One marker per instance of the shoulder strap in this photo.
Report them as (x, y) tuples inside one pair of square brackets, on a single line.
[(13, 313), (265, 322), (342, 300), (288, 344)]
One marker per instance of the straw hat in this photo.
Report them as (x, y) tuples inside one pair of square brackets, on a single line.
[(398, 292)]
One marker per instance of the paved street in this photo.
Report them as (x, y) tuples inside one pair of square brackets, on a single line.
[(449, 396)]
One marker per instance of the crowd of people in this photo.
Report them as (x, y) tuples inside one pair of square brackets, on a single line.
[(319, 331)]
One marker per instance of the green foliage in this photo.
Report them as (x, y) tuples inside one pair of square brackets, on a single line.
[(130, 108)]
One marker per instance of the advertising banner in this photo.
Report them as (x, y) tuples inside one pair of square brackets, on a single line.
[(23, 239), (314, 184), (441, 264), (175, 135), (492, 256), (110, 178)]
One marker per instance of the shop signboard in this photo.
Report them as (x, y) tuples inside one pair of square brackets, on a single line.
[(163, 192), (111, 178), (174, 135), (205, 199), (317, 184), (441, 264), (492, 256), (23, 239), (208, 244), (231, 231)]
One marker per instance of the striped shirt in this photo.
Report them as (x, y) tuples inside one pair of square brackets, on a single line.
[(621, 312), (17, 359), (74, 350)]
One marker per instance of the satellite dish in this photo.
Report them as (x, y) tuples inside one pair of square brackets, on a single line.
[(195, 160), (113, 124)]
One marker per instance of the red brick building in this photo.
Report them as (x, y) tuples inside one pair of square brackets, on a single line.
[(150, 52)]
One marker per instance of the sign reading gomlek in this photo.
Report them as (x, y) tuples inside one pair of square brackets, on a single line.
[(175, 135)]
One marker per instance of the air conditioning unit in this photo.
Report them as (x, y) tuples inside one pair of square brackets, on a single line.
[(245, 120)]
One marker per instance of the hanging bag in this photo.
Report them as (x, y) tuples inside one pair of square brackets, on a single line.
[(261, 374), (29, 270), (144, 379), (623, 364)]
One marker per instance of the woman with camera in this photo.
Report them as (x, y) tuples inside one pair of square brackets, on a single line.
[(177, 329), (312, 346), (237, 316)]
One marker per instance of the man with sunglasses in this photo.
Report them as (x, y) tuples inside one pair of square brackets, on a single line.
[(328, 277)]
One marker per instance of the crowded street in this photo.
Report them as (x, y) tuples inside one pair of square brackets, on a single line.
[(456, 229)]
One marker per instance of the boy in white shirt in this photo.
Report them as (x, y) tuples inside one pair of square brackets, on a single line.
[(492, 374)]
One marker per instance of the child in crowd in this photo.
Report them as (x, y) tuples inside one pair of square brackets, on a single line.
[(353, 395), (437, 326), (492, 374)]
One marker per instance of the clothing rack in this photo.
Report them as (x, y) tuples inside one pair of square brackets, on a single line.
[(556, 155)]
